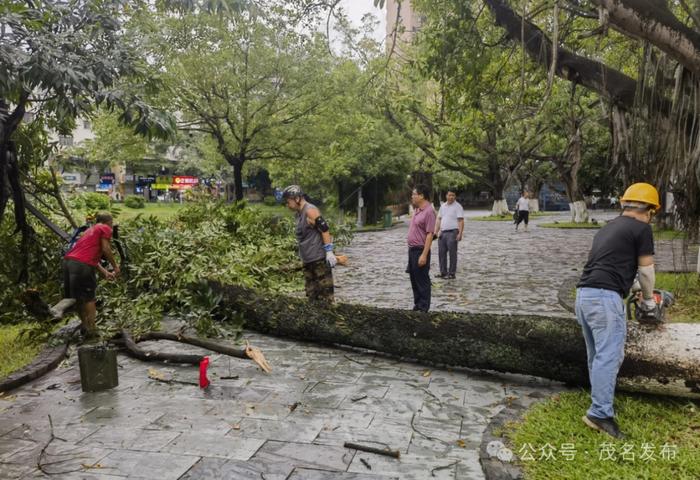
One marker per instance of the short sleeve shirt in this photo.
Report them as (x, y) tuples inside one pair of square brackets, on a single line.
[(88, 248), (449, 214), (614, 256), (422, 223), (523, 204)]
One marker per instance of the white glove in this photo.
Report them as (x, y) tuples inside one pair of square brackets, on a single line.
[(331, 260), (649, 304)]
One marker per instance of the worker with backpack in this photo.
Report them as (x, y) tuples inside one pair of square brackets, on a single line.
[(80, 265)]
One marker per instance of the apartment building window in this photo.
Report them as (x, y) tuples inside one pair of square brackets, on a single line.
[(65, 140), (86, 124)]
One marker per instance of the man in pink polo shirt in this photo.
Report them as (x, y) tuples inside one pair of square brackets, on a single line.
[(420, 238), (79, 266)]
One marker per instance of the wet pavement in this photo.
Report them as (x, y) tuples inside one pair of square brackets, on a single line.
[(289, 424), (498, 269), (292, 424)]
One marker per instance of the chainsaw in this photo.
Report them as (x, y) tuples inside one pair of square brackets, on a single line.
[(654, 317)]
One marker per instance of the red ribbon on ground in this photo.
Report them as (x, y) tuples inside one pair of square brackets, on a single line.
[(203, 380)]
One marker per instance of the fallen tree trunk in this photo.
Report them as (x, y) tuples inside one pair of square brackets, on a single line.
[(665, 361)]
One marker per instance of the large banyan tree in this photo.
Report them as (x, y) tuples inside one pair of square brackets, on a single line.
[(642, 58)]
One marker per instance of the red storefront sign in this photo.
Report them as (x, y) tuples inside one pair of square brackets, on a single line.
[(183, 182)]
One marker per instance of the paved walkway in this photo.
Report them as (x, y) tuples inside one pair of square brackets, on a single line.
[(291, 424), (498, 269)]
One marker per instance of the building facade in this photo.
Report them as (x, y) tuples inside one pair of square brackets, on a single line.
[(409, 22)]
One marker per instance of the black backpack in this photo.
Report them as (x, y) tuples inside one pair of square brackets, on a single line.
[(73, 239)]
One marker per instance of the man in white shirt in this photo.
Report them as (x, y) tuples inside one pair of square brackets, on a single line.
[(523, 208), (449, 228)]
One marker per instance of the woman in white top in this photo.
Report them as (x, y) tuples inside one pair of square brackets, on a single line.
[(523, 209)]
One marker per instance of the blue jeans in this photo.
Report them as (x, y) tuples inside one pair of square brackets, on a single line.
[(601, 314)]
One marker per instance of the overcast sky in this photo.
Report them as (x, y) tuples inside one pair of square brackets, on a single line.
[(357, 8)]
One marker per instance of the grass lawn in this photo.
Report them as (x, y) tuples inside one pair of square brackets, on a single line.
[(669, 235), (686, 288), (570, 225), (160, 210), (663, 441), (509, 217), (15, 351)]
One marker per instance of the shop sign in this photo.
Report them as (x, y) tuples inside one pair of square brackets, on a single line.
[(185, 180)]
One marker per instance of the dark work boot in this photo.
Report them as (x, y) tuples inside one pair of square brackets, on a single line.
[(606, 425)]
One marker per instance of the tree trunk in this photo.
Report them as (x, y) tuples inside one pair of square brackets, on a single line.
[(500, 207), (534, 204), (238, 180), (660, 361), (579, 211)]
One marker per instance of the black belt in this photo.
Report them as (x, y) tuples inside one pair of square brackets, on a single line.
[(451, 230)]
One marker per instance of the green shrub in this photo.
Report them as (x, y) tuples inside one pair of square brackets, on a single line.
[(134, 201), (270, 201), (91, 201)]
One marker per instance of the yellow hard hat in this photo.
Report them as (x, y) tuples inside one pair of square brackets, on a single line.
[(642, 192)]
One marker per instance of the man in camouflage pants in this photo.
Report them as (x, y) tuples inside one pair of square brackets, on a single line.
[(315, 246)]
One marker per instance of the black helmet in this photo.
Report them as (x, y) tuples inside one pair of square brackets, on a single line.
[(292, 191)]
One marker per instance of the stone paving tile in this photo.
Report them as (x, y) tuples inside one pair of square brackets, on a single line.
[(11, 471), (393, 436), (10, 446), (134, 416), (348, 390), (309, 474), (193, 422), (288, 430), (398, 408), (212, 445), (126, 438), (39, 431), (220, 468), (151, 465), (408, 467), (60, 458), (231, 410), (333, 419), (305, 455)]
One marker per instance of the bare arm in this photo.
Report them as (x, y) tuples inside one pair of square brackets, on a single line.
[(645, 260), (647, 276), (106, 274), (437, 226), (460, 222), (423, 259), (107, 253), (311, 215)]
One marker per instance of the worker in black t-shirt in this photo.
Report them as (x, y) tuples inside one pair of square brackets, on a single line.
[(621, 249)]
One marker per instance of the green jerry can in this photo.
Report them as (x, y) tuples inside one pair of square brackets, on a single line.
[(98, 368)]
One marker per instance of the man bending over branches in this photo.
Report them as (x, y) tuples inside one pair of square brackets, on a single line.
[(79, 266)]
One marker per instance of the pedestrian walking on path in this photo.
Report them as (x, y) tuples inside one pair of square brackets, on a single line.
[(623, 248), (448, 229), (315, 245), (523, 210), (420, 238)]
